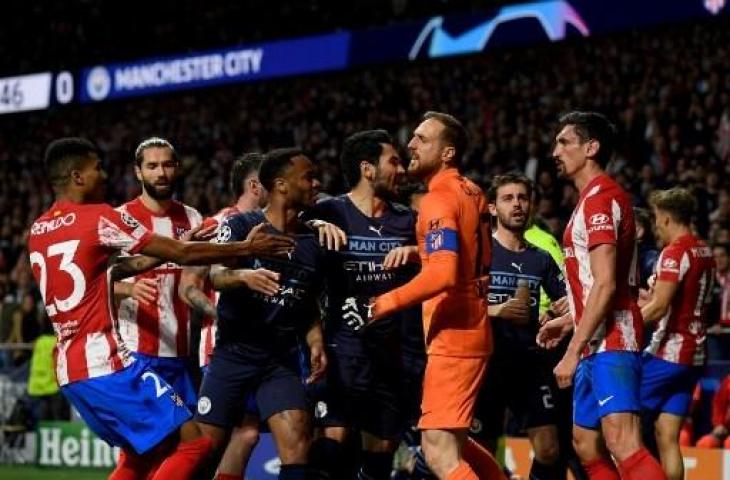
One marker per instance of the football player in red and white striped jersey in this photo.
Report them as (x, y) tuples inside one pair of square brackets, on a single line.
[(601, 270), (678, 304), (122, 400)]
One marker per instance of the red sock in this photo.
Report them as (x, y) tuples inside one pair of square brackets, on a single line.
[(602, 469), (131, 466), (481, 461), (227, 476), (641, 466), (185, 460), (463, 472)]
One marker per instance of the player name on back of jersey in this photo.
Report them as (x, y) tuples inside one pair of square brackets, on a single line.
[(41, 227)]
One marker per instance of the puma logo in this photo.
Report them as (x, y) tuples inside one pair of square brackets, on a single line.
[(517, 267), (376, 230)]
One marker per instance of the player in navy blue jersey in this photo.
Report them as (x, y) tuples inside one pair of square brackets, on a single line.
[(366, 376), (518, 376), (260, 334)]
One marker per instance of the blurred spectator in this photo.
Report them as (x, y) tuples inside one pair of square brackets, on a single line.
[(720, 313), (647, 247), (47, 400), (718, 438)]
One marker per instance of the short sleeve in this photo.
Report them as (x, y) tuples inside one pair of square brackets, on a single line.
[(602, 218), (672, 265), (232, 229), (119, 230), (554, 280), (439, 218)]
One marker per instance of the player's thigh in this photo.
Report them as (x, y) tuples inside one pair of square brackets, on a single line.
[(450, 389), (667, 428), (529, 390), (667, 387), (223, 391), (489, 412)]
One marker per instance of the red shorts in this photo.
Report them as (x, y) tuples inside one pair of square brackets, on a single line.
[(450, 388)]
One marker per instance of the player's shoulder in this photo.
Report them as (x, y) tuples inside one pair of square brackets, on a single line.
[(331, 205), (191, 212), (537, 251)]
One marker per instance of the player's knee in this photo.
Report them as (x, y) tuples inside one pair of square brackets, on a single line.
[(622, 437), (295, 447), (245, 438), (585, 446), (547, 453), (666, 436), (441, 460)]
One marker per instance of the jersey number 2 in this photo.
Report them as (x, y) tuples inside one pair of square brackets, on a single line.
[(67, 250)]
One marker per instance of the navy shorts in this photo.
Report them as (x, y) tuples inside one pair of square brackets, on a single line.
[(606, 383), (274, 381), (516, 379), (667, 387), (365, 392), (174, 370), (134, 407)]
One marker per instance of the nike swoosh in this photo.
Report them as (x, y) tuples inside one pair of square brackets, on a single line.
[(604, 401)]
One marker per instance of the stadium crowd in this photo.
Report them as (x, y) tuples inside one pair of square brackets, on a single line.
[(667, 90)]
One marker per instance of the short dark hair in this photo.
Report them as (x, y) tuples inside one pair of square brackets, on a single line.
[(274, 165), (64, 155), (361, 146), (454, 133), (244, 166), (678, 202), (152, 142), (593, 126), (506, 179)]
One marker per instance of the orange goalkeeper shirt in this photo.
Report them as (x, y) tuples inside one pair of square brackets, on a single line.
[(454, 245)]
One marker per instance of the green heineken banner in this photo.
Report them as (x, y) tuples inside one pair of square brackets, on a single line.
[(72, 444)]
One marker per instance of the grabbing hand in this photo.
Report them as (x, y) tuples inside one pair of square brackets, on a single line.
[(261, 280), (265, 244), (514, 309), (330, 235), (399, 256), (203, 232), (553, 331), (144, 290)]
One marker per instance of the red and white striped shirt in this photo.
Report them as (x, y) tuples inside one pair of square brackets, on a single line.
[(70, 246), (209, 325), (680, 334), (604, 215), (161, 329)]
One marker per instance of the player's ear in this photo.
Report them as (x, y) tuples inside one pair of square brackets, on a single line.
[(592, 146), (448, 153), (492, 209), (366, 170), (76, 177), (138, 173), (281, 186)]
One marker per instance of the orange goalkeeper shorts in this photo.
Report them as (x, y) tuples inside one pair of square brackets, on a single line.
[(450, 388)]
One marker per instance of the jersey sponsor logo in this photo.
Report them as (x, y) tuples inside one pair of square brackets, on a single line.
[(378, 246), (376, 230), (569, 252), (39, 228), (129, 220), (180, 231), (670, 264), (204, 405), (224, 234), (599, 219)]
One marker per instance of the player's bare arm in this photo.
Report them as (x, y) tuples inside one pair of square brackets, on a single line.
[(661, 298), (317, 355), (603, 269), (260, 279), (257, 243)]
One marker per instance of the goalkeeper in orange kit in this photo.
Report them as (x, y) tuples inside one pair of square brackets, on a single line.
[(454, 248)]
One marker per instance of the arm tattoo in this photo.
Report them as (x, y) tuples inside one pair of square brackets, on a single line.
[(199, 301)]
